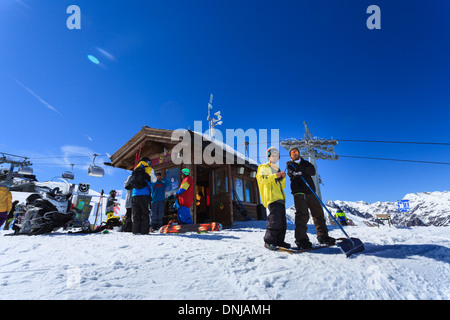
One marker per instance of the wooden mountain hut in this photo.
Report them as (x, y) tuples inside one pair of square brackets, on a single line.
[(226, 190)]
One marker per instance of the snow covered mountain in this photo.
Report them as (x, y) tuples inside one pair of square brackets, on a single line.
[(426, 209)]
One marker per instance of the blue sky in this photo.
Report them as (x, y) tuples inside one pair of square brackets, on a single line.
[(269, 64)]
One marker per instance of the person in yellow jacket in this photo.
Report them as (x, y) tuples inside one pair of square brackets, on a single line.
[(5, 203), (341, 217), (271, 183)]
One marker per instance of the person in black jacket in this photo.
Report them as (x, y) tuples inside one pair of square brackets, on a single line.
[(304, 199)]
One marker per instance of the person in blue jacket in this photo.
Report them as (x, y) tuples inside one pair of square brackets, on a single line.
[(158, 201), (141, 201)]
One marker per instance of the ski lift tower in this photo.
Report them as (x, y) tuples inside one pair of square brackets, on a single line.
[(313, 149), (213, 122), (24, 165)]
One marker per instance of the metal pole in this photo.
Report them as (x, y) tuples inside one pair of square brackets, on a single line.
[(331, 216), (312, 159)]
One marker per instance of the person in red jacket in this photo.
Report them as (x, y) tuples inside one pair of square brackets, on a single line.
[(185, 198)]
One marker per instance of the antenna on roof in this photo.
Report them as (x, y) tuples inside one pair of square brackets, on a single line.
[(213, 122)]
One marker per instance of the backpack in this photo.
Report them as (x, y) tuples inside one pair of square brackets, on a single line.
[(139, 178)]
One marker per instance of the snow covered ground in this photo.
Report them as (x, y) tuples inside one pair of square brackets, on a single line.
[(398, 263)]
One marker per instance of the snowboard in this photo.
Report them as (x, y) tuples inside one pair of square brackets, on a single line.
[(298, 250), (347, 246), (183, 228)]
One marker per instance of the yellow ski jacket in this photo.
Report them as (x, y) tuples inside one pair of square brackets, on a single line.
[(271, 189), (5, 199)]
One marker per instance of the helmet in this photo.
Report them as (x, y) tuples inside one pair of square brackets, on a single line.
[(146, 159), (272, 150), (185, 171)]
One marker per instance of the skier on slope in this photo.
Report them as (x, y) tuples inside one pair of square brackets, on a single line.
[(304, 199), (341, 217), (271, 183)]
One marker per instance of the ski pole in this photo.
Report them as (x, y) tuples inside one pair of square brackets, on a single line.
[(98, 205), (323, 205)]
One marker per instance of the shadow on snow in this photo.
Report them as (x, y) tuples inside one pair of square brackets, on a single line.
[(408, 251)]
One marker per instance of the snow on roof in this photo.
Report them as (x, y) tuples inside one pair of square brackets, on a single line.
[(227, 148)]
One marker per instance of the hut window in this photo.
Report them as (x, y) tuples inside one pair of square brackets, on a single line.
[(238, 186), (172, 175), (248, 191), (220, 181)]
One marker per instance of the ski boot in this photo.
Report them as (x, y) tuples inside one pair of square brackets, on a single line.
[(303, 244), (329, 241), (285, 245), (271, 247)]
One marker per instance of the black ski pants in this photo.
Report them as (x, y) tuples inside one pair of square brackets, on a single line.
[(276, 224), (303, 202), (127, 227), (141, 214)]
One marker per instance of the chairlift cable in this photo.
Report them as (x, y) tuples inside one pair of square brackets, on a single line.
[(356, 140), (386, 159), (404, 142)]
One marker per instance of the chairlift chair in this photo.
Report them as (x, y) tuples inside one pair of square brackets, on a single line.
[(95, 171), (68, 175), (25, 170)]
